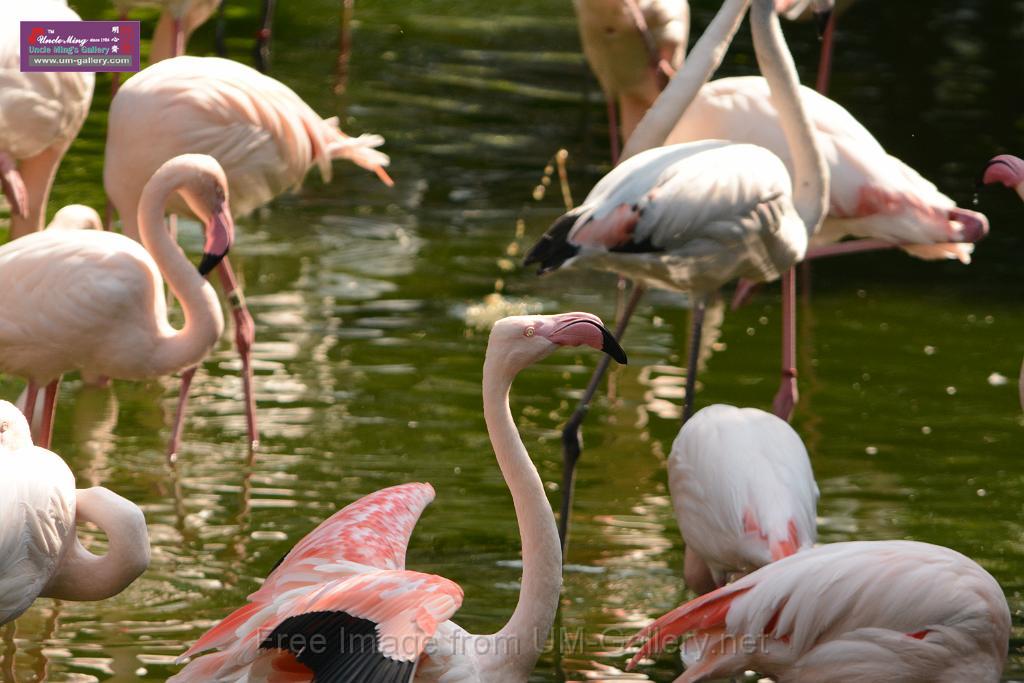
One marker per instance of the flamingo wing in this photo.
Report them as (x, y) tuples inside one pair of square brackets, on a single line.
[(888, 593), (370, 628), (742, 488)]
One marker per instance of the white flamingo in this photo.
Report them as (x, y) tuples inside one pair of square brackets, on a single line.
[(40, 554)]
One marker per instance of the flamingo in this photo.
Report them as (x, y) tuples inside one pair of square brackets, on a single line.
[(94, 301), (264, 136), (1008, 170), (178, 19), (40, 115), (76, 217), (691, 217), (40, 554), (743, 493), (857, 611), (633, 47), (346, 581)]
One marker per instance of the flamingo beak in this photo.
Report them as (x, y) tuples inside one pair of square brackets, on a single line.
[(584, 329), (1006, 169), (220, 234), (13, 187)]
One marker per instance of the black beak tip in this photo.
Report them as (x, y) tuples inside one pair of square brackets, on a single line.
[(612, 347), (821, 19), (209, 262)]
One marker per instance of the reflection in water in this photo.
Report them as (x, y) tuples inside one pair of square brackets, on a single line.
[(371, 307)]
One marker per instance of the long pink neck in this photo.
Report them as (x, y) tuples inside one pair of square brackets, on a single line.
[(204, 321), (700, 65), (517, 646)]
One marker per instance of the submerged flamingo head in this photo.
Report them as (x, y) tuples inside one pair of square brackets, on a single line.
[(525, 339), (14, 430), (205, 189)]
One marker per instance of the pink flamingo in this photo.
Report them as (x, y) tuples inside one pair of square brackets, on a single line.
[(40, 116), (1008, 170), (692, 217), (40, 554), (346, 581), (178, 19), (633, 47), (264, 136), (743, 493), (94, 301), (860, 611)]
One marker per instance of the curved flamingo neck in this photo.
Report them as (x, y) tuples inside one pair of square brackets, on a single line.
[(700, 65), (82, 575), (810, 173), (204, 321), (519, 643)]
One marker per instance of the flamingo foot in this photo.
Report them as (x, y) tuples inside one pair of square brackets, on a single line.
[(745, 290), (13, 186), (787, 396)]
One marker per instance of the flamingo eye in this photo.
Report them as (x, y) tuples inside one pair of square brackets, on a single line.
[(529, 332)]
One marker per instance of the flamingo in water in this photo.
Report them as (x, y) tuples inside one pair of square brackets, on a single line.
[(94, 301), (691, 217), (346, 581), (1008, 170), (860, 611), (40, 555), (40, 116), (264, 136), (743, 493)]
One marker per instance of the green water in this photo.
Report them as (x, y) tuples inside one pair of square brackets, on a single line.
[(368, 371)]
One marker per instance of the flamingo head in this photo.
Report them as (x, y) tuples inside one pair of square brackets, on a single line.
[(525, 339), (1006, 169), (793, 9), (204, 188), (14, 430)]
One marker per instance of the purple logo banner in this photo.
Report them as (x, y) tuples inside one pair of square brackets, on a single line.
[(80, 46)]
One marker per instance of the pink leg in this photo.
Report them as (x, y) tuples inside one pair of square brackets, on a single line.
[(31, 394), (245, 336), (49, 408), (787, 396), (179, 39), (825, 62), (179, 416)]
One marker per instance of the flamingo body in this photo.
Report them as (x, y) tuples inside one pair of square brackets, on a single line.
[(688, 217), (87, 301), (347, 579), (872, 194), (860, 611), (40, 115), (743, 492), (264, 136)]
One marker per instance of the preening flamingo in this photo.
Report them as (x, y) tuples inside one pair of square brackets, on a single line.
[(346, 582), (1008, 170), (94, 301), (40, 554), (743, 493), (40, 115), (694, 216), (264, 136), (633, 47), (76, 217), (861, 611)]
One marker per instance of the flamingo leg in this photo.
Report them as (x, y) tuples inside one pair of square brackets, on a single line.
[(787, 395), (179, 415), (825, 61), (693, 361), (29, 409), (571, 446), (613, 130), (179, 38), (261, 53), (245, 336), (220, 31), (49, 408)]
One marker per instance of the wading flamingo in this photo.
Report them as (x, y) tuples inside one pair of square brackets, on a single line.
[(264, 136), (347, 581), (1008, 170), (695, 216), (860, 611), (94, 301), (40, 115), (743, 493), (633, 47), (40, 554)]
